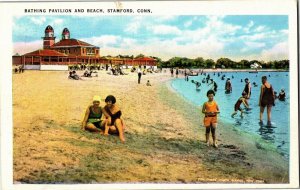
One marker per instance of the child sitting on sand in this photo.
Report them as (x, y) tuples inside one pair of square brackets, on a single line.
[(237, 106), (73, 75), (210, 109), (148, 83)]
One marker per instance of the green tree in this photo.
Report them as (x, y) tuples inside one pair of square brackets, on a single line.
[(199, 62), (285, 64), (186, 62), (175, 61), (226, 62), (165, 64), (210, 63), (139, 56), (268, 65), (244, 64)]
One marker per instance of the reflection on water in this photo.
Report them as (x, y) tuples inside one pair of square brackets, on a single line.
[(267, 133)]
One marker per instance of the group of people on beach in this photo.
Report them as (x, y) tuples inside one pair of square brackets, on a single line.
[(87, 73), (104, 120), (19, 69), (112, 70)]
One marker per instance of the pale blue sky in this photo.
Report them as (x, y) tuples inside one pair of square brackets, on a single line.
[(236, 37)]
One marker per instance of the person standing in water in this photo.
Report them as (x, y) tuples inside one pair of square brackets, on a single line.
[(281, 95), (228, 87), (215, 86), (237, 106), (266, 99), (210, 109), (247, 88)]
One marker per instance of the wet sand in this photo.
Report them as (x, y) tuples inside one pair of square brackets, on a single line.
[(164, 136)]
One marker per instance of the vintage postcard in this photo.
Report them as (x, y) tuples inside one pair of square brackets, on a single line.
[(149, 95)]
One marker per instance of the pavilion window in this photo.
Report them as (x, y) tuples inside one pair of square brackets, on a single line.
[(54, 59), (46, 59)]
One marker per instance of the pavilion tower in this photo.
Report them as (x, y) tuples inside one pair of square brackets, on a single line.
[(65, 34), (49, 38)]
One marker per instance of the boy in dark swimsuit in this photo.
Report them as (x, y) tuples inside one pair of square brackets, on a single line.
[(237, 106), (247, 88), (228, 87)]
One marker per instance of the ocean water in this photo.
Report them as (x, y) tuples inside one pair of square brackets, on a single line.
[(278, 134)]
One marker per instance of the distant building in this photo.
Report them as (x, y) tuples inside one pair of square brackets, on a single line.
[(68, 51), (255, 66)]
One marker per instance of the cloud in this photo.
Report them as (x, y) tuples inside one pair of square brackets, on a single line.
[(278, 52), (259, 28), (133, 27), (250, 24), (188, 23), (38, 20), (216, 25), (250, 46), (103, 41), (167, 48), (58, 21), (26, 47), (284, 32), (254, 45), (165, 29), (253, 37), (208, 41), (248, 27)]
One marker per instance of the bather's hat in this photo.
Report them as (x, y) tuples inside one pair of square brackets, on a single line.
[(96, 98)]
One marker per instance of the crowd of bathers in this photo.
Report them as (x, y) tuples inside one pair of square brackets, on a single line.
[(210, 108)]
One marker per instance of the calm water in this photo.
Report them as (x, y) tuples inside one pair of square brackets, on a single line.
[(278, 134)]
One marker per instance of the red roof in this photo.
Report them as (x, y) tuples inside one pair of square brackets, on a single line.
[(45, 52), (71, 42), (145, 59)]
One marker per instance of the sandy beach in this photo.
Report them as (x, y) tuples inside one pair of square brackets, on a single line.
[(164, 136)]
